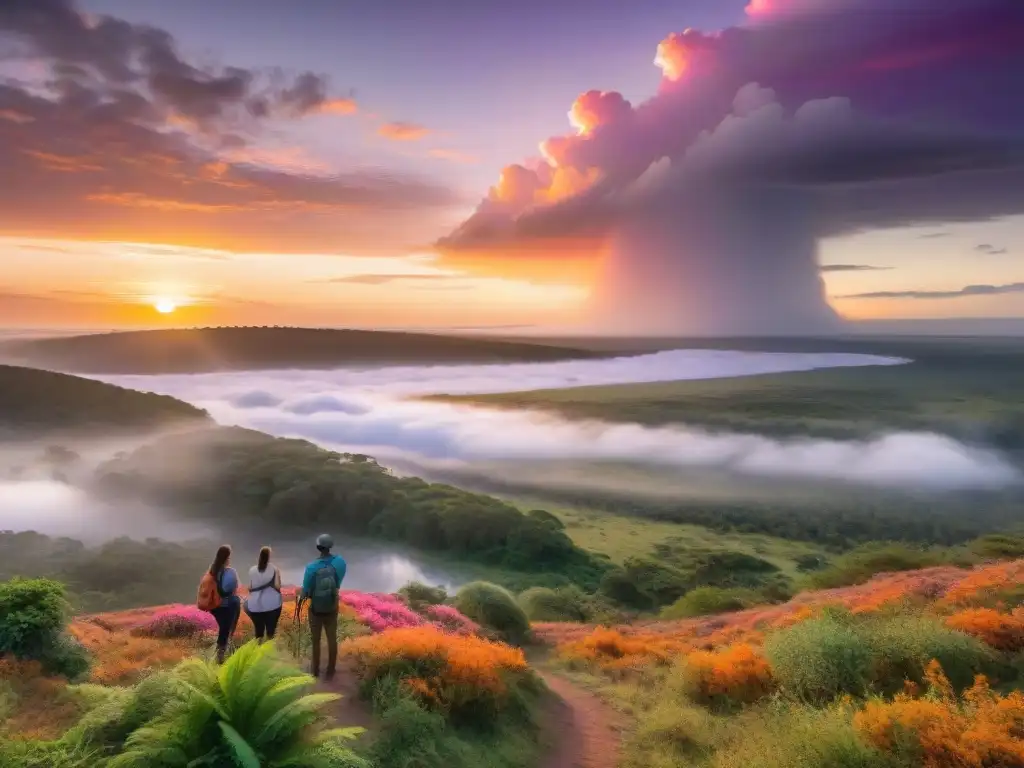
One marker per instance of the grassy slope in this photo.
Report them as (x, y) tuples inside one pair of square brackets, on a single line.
[(212, 349), (970, 390), (620, 536), (37, 402)]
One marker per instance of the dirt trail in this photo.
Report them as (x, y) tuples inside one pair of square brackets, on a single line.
[(582, 730), (350, 710), (585, 732)]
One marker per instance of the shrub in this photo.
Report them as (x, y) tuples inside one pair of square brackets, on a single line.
[(819, 659), (407, 729), (999, 546), (708, 600), (464, 677), (725, 678), (902, 647), (32, 622), (860, 564), (65, 656), (788, 735), (545, 517), (418, 596), (561, 604), (178, 621), (32, 615), (493, 608), (980, 729), (1002, 631), (253, 710), (672, 732)]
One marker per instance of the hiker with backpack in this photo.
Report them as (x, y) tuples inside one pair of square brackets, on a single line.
[(263, 605), (321, 583), (217, 595)]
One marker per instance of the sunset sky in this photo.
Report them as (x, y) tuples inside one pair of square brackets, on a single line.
[(323, 162)]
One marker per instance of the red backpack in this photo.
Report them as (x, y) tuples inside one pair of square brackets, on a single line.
[(208, 597)]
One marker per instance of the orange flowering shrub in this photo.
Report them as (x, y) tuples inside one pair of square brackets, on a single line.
[(983, 585), (979, 730), (121, 658), (611, 649), (459, 675), (734, 675), (1002, 631), (32, 705)]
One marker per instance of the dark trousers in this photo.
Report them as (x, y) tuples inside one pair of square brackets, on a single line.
[(265, 623), (227, 618), (328, 624)]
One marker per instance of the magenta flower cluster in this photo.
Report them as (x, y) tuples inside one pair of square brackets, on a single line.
[(380, 612), (178, 621)]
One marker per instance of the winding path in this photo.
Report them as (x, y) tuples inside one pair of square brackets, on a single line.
[(582, 731), (585, 732)]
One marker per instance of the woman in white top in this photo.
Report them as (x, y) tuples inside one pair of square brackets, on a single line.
[(263, 605)]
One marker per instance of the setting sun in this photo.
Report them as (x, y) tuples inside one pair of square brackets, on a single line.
[(165, 306)]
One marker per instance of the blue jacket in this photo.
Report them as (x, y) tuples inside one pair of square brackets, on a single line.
[(307, 578)]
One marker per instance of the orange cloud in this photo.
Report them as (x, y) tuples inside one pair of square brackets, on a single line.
[(62, 163), (339, 106), (454, 155), (402, 131), (138, 200), (596, 108), (13, 116), (680, 51)]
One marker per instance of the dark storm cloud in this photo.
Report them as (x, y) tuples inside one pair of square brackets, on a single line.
[(128, 141), (856, 115), (968, 290)]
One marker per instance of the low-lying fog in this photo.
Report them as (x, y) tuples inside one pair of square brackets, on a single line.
[(374, 411), (58, 509)]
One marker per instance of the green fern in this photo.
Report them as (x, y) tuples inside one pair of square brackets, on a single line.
[(251, 712)]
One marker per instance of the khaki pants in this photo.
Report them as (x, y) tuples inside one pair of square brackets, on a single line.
[(328, 623)]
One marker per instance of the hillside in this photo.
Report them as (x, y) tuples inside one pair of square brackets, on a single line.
[(36, 403), (227, 349), (911, 669), (968, 389)]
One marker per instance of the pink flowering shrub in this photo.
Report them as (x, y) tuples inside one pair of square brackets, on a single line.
[(381, 612), (451, 620), (178, 621)]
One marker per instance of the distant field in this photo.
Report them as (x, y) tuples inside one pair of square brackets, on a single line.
[(621, 536), (202, 350), (970, 389)]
